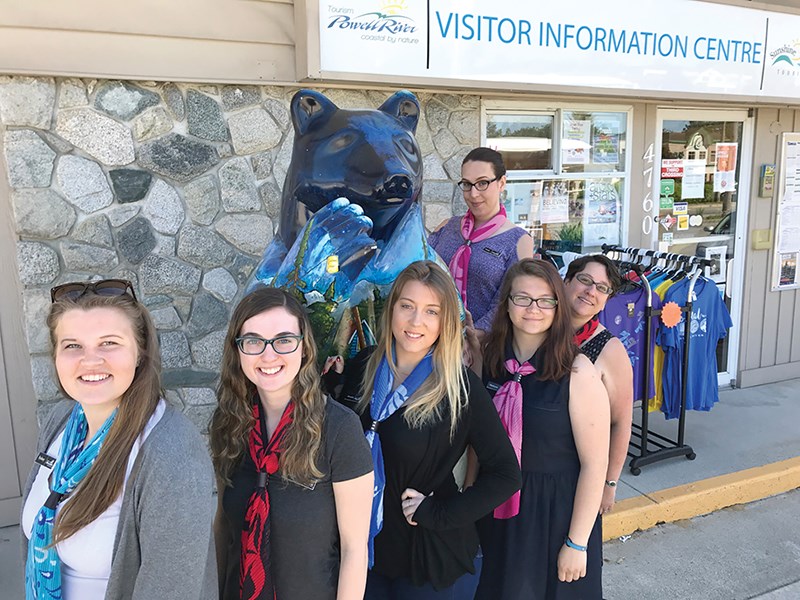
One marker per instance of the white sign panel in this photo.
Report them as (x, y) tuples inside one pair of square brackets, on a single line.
[(678, 46)]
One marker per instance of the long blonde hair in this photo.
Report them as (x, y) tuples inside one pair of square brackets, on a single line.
[(233, 419), (446, 387), (103, 483)]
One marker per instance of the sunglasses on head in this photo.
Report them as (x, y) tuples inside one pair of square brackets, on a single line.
[(104, 287)]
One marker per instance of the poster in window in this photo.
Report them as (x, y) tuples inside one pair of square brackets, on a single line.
[(605, 142), (719, 257), (555, 203), (575, 143), (601, 213), (694, 179), (725, 172), (788, 270)]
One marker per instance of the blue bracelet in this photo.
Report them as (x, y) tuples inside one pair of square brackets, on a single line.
[(570, 544)]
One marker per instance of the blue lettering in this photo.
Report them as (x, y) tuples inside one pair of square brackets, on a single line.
[(600, 38), (682, 44), (506, 40), (588, 43), (711, 55), (634, 42), (491, 20), (616, 41), (567, 34), (669, 41), (525, 29), (696, 43), (468, 27), (554, 35), (444, 30)]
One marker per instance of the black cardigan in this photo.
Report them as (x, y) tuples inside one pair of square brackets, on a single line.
[(442, 547)]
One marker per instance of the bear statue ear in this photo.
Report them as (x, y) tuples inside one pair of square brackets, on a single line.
[(309, 107), (405, 106)]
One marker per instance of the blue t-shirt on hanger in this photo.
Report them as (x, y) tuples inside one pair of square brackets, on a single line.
[(710, 323)]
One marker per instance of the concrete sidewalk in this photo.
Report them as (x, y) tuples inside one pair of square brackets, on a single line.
[(747, 447)]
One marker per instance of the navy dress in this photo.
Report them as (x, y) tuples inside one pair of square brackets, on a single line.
[(521, 554)]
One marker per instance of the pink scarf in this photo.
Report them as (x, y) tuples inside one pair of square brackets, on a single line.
[(459, 265), (508, 402)]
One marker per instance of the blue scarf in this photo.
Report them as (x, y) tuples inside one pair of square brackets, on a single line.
[(43, 567), (383, 405)]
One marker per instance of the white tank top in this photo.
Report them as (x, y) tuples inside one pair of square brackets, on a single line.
[(85, 556)]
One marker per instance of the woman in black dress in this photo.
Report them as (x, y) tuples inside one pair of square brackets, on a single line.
[(546, 543)]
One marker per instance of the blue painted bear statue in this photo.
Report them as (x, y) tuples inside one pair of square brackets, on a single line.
[(351, 198)]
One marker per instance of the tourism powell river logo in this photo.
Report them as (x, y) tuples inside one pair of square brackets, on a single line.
[(387, 24)]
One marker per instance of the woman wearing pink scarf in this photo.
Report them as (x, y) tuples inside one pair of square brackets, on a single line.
[(546, 541), (480, 246)]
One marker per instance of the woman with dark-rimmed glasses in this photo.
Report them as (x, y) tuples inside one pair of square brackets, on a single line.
[(545, 542), (119, 503), (480, 246), (294, 469)]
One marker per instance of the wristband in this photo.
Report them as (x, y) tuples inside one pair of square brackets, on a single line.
[(570, 544)]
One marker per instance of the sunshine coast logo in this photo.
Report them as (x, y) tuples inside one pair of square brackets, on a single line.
[(786, 59), (388, 24)]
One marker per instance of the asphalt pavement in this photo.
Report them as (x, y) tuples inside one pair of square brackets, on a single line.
[(744, 552)]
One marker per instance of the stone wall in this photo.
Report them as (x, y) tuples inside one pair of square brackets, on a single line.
[(177, 188)]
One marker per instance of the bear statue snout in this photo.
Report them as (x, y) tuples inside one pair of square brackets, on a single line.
[(398, 186)]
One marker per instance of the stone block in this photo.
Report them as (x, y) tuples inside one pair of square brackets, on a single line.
[(237, 96), (122, 214), (166, 318), (175, 352), (204, 117), (175, 102), (99, 136), (94, 230), (83, 183), (253, 130), (202, 199), (42, 214), (37, 306), (152, 124), (238, 187), (199, 396), (38, 263), (123, 100), (250, 233), (177, 157), (465, 125), (88, 259), (203, 247), (45, 381), (271, 197), (221, 284), (208, 314), (136, 240), (164, 208), (207, 351), (130, 185), (72, 94), (30, 160), (160, 275), (432, 168), (27, 101)]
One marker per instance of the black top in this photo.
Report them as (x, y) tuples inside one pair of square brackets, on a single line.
[(304, 531), (593, 347), (442, 547)]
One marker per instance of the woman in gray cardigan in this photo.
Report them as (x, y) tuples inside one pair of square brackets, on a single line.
[(119, 503)]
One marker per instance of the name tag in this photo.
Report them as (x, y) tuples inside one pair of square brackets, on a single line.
[(45, 460), (492, 251), (492, 386)]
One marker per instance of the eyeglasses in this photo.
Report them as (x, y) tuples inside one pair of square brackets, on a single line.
[(526, 301), (254, 345), (480, 185), (104, 287), (601, 287)]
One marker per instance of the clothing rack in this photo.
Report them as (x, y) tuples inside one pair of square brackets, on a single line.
[(651, 447)]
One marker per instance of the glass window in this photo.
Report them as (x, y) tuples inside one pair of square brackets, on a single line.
[(525, 141), (577, 205)]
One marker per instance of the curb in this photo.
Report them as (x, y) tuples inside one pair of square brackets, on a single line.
[(701, 497)]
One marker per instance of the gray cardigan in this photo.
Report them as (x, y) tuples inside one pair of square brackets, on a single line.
[(164, 543)]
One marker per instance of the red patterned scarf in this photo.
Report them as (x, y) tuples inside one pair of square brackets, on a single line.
[(585, 332), (255, 575), (508, 402), (459, 264)]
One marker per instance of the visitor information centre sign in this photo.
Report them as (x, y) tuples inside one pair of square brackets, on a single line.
[(676, 46)]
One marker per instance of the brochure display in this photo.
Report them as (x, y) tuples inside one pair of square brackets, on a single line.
[(787, 220)]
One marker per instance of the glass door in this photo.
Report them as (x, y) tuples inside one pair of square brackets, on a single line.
[(705, 162)]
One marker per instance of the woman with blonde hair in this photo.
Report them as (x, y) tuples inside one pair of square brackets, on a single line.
[(294, 470), (119, 503), (421, 408)]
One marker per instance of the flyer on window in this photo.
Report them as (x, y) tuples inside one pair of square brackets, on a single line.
[(575, 143), (601, 214), (605, 143), (555, 203), (694, 179), (725, 172)]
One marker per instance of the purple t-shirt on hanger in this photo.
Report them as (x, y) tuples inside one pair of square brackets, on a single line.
[(490, 260), (624, 317)]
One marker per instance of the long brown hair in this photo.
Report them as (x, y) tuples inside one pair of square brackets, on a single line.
[(103, 483), (558, 350), (446, 386), (233, 419)]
